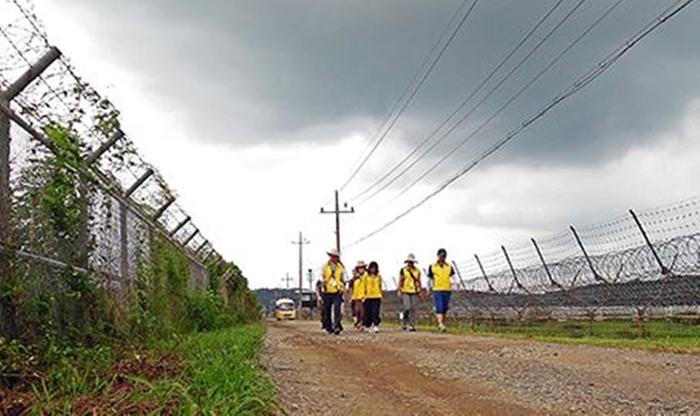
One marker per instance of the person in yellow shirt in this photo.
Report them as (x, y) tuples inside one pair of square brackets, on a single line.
[(333, 278), (357, 292), (372, 299), (409, 289), (440, 273)]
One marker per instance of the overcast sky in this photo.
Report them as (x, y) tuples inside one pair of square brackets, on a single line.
[(255, 111)]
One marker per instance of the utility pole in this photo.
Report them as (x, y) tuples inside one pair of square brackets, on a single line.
[(287, 279), (311, 280), (301, 243), (337, 213)]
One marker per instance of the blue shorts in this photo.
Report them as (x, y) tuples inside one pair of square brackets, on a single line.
[(442, 301)]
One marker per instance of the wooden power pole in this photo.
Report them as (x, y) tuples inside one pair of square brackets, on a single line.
[(337, 211), (302, 241)]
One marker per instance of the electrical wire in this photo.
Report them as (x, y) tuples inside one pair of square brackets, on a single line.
[(510, 101), (582, 82), (458, 109), (413, 93)]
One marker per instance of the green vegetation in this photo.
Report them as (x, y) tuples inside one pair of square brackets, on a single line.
[(202, 373), (673, 335), (225, 375), (77, 342)]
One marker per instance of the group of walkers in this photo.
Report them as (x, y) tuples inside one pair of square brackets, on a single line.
[(364, 291)]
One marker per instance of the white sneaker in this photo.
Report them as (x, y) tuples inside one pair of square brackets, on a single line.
[(374, 329), (441, 328)]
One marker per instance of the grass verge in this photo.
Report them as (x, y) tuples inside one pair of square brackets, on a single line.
[(204, 373), (659, 335), (224, 372)]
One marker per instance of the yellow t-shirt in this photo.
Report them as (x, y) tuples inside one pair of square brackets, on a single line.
[(358, 289), (410, 277), (372, 286), (333, 278), (442, 276)]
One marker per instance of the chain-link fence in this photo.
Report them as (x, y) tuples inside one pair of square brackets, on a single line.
[(642, 265), (75, 195)]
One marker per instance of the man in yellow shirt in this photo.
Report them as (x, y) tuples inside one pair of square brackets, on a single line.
[(409, 289), (333, 278), (440, 273)]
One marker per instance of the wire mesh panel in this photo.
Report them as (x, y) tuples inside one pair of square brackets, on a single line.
[(635, 264), (83, 202)]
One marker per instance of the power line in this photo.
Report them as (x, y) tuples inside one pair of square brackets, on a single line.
[(582, 82), (513, 98), (413, 93), (456, 111)]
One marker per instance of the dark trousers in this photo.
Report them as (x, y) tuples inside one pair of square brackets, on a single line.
[(332, 313), (372, 310)]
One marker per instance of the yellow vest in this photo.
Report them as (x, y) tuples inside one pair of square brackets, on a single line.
[(358, 289), (372, 286), (442, 276), (333, 279), (409, 282)]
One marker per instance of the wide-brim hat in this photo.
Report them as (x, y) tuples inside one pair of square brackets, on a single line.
[(360, 264), (333, 252), (411, 258)]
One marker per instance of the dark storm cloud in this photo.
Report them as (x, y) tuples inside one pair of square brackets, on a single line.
[(272, 71)]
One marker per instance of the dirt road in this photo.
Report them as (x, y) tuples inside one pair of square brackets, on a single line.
[(434, 374)]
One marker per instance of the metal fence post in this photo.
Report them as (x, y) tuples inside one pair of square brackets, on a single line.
[(483, 273), (124, 245), (512, 270), (34, 71), (596, 276), (5, 209), (664, 270), (179, 226), (163, 208), (188, 239), (201, 246), (544, 264), (492, 318)]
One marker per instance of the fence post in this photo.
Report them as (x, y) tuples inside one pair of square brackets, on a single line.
[(517, 283), (544, 264), (596, 276), (464, 288), (664, 270), (149, 172), (5, 207), (492, 318), (7, 313), (483, 273), (32, 73), (163, 208), (92, 158), (179, 226), (124, 245), (512, 270), (201, 246), (188, 239)]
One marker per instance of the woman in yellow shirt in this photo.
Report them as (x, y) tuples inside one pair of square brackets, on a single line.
[(357, 291), (372, 299)]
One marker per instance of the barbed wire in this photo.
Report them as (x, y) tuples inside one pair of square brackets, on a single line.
[(601, 266), (119, 241)]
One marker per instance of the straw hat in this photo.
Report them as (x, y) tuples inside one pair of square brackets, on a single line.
[(360, 264), (411, 258), (333, 252)]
